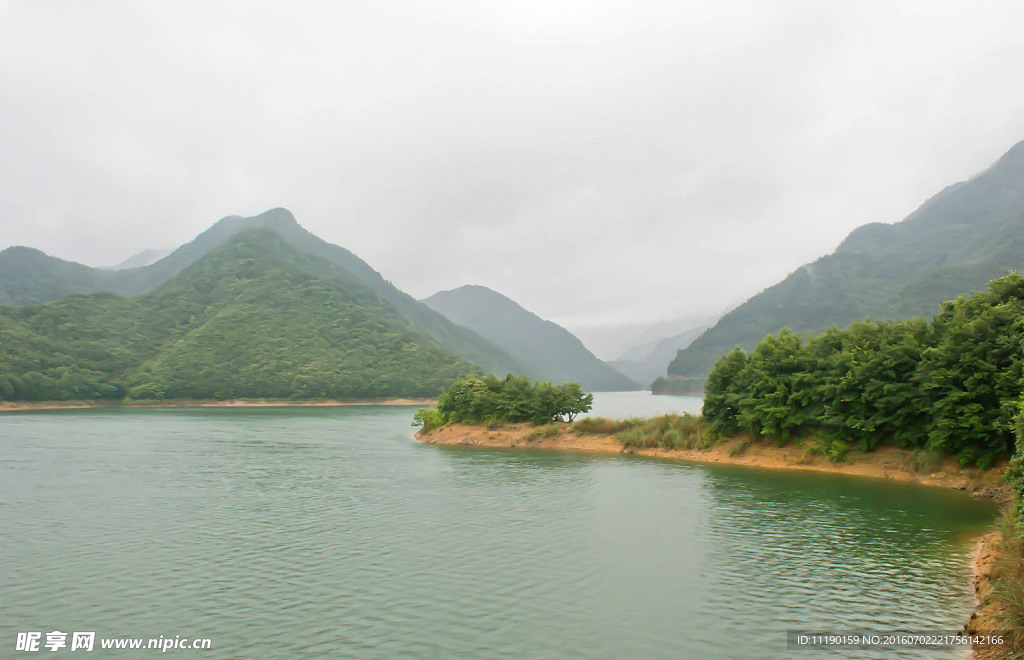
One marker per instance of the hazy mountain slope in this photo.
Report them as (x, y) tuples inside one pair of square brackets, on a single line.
[(644, 364), (144, 258), (458, 340), (955, 242), (41, 278), (546, 350), (28, 275), (254, 318), (644, 343)]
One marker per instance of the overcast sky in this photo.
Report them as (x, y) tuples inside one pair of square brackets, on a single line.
[(600, 162)]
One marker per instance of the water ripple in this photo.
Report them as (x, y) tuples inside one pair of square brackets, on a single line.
[(329, 533)]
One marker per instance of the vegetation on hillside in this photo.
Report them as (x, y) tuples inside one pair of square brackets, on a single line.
[(255, 318), (514, 399), (28, 276), (956, 242), (953, 384)]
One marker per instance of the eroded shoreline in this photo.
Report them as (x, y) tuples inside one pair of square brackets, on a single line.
[(984, 619), (883, 463)]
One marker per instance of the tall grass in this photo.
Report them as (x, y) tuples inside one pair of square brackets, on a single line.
[(667, 431), (603, 425), (546, 431), (1008, 581)]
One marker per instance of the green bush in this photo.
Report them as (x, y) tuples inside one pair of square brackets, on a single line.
[(837, 451), (632, 438), (514, 399), (428, 418)]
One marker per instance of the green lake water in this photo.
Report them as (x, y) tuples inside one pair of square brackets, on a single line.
[(330, 532)]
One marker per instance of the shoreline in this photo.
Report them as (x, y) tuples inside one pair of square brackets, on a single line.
[(882, 463), (984, 619), (21, 406)]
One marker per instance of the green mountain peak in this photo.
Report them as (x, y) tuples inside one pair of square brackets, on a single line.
[(255, 317), (29, 277)]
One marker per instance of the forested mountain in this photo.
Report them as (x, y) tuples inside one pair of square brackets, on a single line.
[(29, 276), (255, 317), (546, 350), (954, 243)]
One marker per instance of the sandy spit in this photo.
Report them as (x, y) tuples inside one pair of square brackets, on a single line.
[(883, 463)]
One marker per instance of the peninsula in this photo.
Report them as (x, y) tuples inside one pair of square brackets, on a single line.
[(599, 436)]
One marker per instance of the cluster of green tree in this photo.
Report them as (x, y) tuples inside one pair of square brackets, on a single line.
[(254, 318), (953, 384), (956, 242), (514, 399)]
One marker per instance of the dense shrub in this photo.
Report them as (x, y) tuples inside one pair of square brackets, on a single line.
[(472, 400), (952, 385)]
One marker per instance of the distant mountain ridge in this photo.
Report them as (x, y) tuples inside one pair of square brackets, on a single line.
[(546, 350), (29, 276), (646, 363), (954, 243), (144, 258), (255, 317)]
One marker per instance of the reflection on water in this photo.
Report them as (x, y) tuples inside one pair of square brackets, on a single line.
[(330, 533)]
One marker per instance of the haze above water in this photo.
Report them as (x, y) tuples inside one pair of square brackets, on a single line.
[(330, 532)]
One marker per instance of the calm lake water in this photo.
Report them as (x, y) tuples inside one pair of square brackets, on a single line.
[(330, 532), (619, 405)]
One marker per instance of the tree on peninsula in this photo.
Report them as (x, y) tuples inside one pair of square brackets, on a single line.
[(514, 399)]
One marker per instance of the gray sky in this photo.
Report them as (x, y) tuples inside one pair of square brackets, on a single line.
[(599, 161)]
